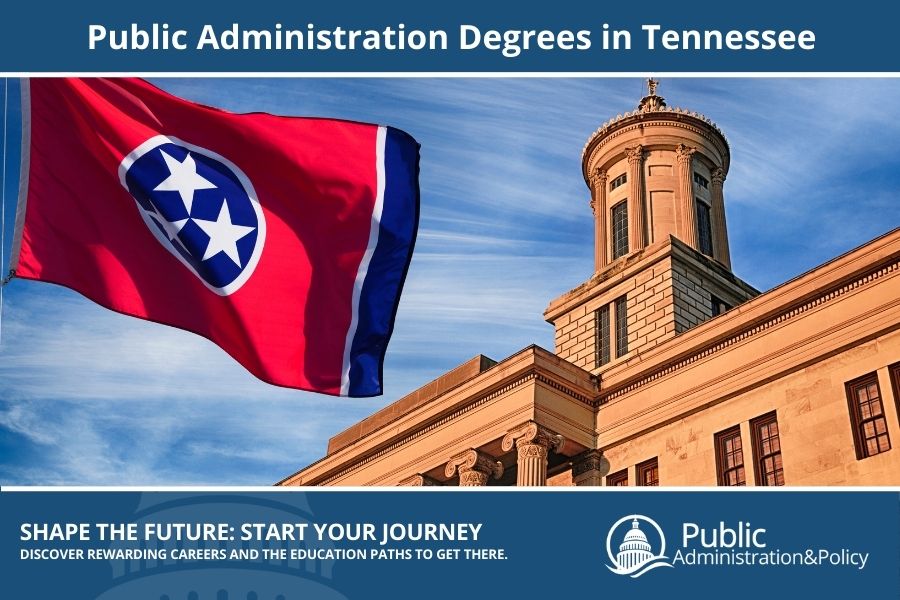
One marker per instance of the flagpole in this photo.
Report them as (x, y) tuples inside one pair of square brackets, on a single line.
[(3, 201)]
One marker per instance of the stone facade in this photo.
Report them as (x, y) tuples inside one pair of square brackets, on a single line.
[(667, 367)]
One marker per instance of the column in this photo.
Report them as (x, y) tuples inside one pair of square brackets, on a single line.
[(474, 468), (587, 468), (419, 480), (598, 204), (687, 220), (636, 214), (533, 444), (719, 228)]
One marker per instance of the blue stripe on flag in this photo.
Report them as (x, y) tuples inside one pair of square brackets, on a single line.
[(381, 289)]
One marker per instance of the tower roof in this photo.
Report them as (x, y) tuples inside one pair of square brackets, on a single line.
[(652, 109)]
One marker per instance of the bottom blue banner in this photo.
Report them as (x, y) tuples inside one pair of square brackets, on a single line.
[(286, 545)]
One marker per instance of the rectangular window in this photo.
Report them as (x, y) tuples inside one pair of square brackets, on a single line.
[(867, 413), (618, 478), (619, 230), (718, 306), (618, 181), (701, 181), (704, 228), (767, 449), (648, 472), (730, 457), (621, 326), (601, 317)]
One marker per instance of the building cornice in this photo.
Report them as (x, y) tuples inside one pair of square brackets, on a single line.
[(629, 266), (532, 364), (824, 284)]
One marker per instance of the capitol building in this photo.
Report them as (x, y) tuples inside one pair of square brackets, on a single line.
[(634, 549), (667, 368)]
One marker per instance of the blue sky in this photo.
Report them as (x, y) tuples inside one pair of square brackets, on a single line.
[(89, 397)]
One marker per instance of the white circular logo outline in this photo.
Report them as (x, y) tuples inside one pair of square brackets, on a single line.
[(662, 546), (158, 140)]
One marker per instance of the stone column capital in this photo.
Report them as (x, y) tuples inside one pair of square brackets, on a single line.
[(684, 153), (587, 468), (635, 153), (718, 176), (530, 433), (474, 461), (419, 480), (598, 177), (589, 460)]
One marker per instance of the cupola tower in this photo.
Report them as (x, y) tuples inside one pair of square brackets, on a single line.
[(661, 258)]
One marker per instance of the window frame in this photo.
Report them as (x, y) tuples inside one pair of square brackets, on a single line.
[(857, 422), (622, 241), (618, 181), (603, 337), (701, 181), (704, 234), (894, 371), (718, 306), (759, 458), (617, 479), (721, 471), (620, 307), (644, 467)]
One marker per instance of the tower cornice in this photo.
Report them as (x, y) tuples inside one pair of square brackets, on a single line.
[(659, 117)]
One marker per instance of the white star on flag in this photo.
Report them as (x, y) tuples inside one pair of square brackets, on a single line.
[(223, 235), (184, 179)]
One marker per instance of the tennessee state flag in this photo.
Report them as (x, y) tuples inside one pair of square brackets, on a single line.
[(284, 240)]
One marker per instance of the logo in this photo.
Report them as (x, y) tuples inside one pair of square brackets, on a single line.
[(635, 556), (200, 206)]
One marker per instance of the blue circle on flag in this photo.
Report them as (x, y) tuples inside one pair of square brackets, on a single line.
[(200, 207)]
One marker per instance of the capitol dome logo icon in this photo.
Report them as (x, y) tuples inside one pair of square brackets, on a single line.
[(635, 555)]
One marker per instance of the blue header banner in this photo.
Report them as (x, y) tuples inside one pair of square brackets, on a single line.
[(465, 36), (409, 544)]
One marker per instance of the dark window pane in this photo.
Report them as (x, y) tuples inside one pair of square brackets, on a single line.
[(701, 181), (704, 228), (621, 326), (603, 340), (620, 230)]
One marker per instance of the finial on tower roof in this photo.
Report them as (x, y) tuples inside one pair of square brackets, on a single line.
[(651, 101)]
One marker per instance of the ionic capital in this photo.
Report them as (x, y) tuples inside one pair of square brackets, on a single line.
[(474, 461), (532, 434)]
